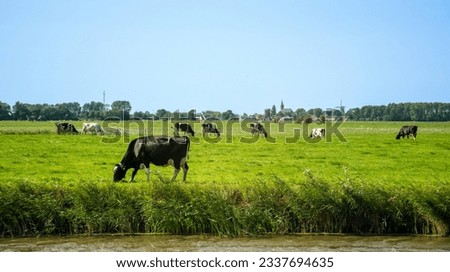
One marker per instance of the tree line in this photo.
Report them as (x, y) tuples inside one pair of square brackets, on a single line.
[(95, 111), (64, 111), (402, 112), (122, 110)]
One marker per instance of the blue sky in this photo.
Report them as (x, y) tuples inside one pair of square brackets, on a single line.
[(219, 55)]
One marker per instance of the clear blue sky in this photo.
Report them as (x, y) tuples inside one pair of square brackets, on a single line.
[(218, 55)]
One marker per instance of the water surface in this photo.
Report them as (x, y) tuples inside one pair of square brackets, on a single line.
[(207, 243)]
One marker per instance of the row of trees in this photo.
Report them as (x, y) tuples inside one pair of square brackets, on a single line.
[(402, 112), (64, 111), (95, 110), (122, 109)]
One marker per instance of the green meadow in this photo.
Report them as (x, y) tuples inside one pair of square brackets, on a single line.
[(359, 179)]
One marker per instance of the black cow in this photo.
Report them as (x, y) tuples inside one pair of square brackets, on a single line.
[(62, 128), (258, 128), (160, 151), (210, 128), (406, 131), (183, 127)]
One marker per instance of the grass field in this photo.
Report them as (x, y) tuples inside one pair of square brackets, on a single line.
[(358, 180)]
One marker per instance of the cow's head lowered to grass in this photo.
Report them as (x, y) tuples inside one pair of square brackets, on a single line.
[(119, 172)]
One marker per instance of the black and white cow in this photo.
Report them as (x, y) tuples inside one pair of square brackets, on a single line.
[(406, 131), (94, 128), (317, 133), (186, 128), (160, 151), (114, 131), (258, 128), (210, 128), (62, 128)]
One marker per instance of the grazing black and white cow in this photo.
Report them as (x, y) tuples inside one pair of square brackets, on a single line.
[(317, 133), (210, 128), (160, 151), (406, 131), (62, 128), (258, 128), (94, 128), (115, 131), (186, 128)]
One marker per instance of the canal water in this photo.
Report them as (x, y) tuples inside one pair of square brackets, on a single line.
[(207, 243)]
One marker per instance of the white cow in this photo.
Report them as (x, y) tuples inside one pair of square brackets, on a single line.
[(317, 133), (93, 128)]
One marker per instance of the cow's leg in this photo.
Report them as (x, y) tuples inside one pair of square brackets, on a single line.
[(175, 173), (133, 174), (181, 164), (176, 168), (185, 169), (147, 171), (263, 132)]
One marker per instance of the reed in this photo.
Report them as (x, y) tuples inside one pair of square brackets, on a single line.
[(261, 207)]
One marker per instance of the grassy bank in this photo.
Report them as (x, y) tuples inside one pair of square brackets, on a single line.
[(237, 185), (259, 207)]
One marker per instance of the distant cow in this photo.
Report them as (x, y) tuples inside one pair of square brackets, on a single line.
[(159, 151), (210, 128), (258, 128), (317, 133), (186, 128), (62, 128), (406, 131), (94, 128), (114, 131)]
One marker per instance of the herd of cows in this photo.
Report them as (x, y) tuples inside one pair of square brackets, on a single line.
[(164, 150), (94, 128)]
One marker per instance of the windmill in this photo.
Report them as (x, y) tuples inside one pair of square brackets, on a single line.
[(341, 108)]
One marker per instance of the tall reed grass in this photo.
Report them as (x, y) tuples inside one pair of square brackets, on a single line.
[(312, 205)]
